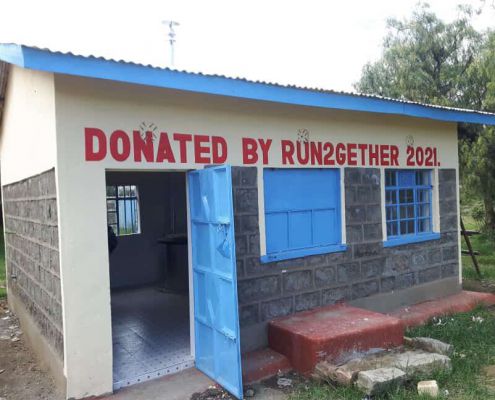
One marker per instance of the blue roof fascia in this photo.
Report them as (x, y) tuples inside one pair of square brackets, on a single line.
[(92, 67), (12, 54)]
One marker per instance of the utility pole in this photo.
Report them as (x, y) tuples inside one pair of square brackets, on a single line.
[(171, 37)]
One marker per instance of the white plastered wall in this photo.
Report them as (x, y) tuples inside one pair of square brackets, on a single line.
[(109, 106), (28, 140)]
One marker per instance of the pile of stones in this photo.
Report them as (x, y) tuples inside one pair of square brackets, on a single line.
[(379, 371)]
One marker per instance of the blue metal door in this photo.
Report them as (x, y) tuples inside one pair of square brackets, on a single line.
[(216, 320)]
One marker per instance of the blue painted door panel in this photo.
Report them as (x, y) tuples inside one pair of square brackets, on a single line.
[(216, 319)]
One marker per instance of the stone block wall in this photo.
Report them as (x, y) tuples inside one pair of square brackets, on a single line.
[(32, 256), (277, 289)]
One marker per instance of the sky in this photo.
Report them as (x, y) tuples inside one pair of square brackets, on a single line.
[(311, 43)]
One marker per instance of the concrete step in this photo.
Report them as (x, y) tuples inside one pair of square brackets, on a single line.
[(421, 313), (330, 332), (263, 364)]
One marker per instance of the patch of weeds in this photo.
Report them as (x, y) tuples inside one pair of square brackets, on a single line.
[(473, 337), (485, 244)]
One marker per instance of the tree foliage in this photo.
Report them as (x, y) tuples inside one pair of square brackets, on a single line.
[(428, 60)]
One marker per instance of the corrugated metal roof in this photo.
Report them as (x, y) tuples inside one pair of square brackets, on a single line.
[(95, 66), (270, 83)]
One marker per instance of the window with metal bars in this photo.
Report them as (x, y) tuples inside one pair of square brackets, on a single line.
[(408, 205), (123, 209)]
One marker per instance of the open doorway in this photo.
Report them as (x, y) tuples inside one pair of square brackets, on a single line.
[(149, 275)]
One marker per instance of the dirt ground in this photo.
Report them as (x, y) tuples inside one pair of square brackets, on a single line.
[(21, 378)]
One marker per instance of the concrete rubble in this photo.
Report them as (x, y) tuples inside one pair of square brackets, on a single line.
[(380, 380), (430, 345), (379, 371), (429, 388)]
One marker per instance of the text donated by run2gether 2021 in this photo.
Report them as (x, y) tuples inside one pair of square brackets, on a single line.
[(186, 148)]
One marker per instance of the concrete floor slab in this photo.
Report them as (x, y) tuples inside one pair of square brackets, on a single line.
[(180, 386)]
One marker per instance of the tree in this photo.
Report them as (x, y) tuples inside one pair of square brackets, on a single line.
[(427, 60), (478, 156), (479, 160)]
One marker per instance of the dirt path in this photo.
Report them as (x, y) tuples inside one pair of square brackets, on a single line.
[(20, 376)]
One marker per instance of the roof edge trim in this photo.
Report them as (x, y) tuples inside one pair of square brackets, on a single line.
[(100, 68), (12, 54)]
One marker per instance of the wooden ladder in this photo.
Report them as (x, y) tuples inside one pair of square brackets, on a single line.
[(470, 251)]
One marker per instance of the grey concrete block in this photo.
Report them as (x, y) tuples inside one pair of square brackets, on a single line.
[(253, 266), (448, 206), (404, 281), (434, 255), (306, 301), (240, 268), (351, 196), (451, 269), (387, 284), (246, 200), (450, 253), (420, 259), (297, 281), (364, 289), (349, 272), (355, 214), (373, 213), (370, 176), (373, 268), (372, 232), (276, 308), (325, 276), (369, 194), (249, 315), (429, 274), (241, 245), (354, 234), (352, 176), (253, 244), (397, 262), (249, 176), (250, 290), (249, 224), (446, 175), (335, 295), (365, 250), (316, 260)]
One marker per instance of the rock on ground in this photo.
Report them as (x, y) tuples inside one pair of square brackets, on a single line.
[(414, 362), (429, 388), (380, 380), (430, 345)]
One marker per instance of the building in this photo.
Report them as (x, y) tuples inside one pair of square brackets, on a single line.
[(315, 197)]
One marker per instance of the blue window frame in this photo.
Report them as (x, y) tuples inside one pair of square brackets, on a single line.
[(408, 206), (302, 212)]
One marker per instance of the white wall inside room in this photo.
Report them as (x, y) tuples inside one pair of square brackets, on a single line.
[(28, 140), (139, 259)]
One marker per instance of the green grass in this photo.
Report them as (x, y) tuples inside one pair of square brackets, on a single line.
[(474, 345), (3, 290), (482, 243)]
